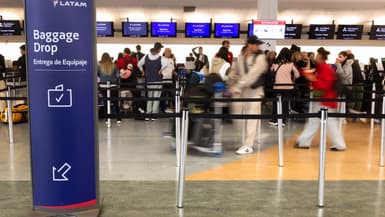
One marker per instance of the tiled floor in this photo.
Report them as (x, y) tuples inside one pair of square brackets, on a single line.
[(138, 173)]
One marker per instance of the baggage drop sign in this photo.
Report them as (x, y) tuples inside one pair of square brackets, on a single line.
[(62, 86)]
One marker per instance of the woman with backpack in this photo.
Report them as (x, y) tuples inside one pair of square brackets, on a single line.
[(284, 72), (324, 83), (107, 73)]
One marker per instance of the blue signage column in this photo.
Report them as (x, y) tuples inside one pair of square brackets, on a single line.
[(62, 87)]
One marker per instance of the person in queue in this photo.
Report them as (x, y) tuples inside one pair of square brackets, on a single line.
[(152, 66), (230, 55), (285, 72), (168, 74), (107, 73), (250, 66), (21, 63), (201, 61), (323, 82)]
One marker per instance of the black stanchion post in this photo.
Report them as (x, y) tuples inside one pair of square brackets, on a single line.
[(183, 153), (280, 130), (322, 154), (177, 123), (373, 107), (108, 103), (382, 134), (10, 117)]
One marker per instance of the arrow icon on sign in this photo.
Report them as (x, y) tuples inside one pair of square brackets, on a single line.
[(61, 172)]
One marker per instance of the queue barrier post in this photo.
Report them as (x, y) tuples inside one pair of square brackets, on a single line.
[(280, 130), (373, 107), (183, 153), (382, 163), (177, 124), (10, 117), (108, 103), (322, 154)]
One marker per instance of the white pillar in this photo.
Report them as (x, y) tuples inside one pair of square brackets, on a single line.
[(268, 10)]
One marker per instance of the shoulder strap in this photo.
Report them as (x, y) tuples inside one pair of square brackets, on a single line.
[(246, 66)]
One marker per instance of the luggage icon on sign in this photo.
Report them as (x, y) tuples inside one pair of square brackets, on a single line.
[(59, 98)]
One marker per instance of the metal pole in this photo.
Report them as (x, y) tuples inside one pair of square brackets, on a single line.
[(108, 103), (311, 96), (217, 146), (342, 111), (183, 151), (177, 123), (382, 164), (243, 128), (280, 130), (10, 116), (321, 177), (373, 107)]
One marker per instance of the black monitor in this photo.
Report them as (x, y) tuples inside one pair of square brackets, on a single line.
[(134, 29), (198, 30), (377, 32), (226, 30), (163, 29), (321, 31), (10, 27), (293, 31), (105, 29), (350, 32)]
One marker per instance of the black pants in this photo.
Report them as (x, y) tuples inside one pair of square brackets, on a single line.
[(115, 103), (286, 95)]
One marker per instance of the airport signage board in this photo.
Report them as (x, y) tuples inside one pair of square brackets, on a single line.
[(226, 30), (350, 32), (293, 31), (62, 101), (134, 29), (10, 27), (105, 29), (321, 31), (377, 32)]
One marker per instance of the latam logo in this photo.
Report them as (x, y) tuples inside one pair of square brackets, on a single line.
[(69, 4)]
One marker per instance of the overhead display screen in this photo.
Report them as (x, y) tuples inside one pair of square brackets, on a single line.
[(377, 32), (226, 30), (163, 29), (104, 29), (269, 29), (198, 30), (134, 29), (321, 31), (293, 31), (350, 32), (10, 27)]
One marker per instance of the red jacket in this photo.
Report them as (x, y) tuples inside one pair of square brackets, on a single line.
[(122, 62), (325, 82), (230, 56)]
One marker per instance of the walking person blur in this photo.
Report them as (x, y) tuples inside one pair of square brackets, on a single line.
[(152, 66), (250, 66), (107, 73), (324, 83), (285, 73)]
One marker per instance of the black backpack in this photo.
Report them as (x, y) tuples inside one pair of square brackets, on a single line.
[(357, 74)]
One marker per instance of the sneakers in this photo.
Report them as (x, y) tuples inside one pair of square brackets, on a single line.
[(153, 119), (147, 119), (336, 149), (244, 150), (118, 123), (274, 123)]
